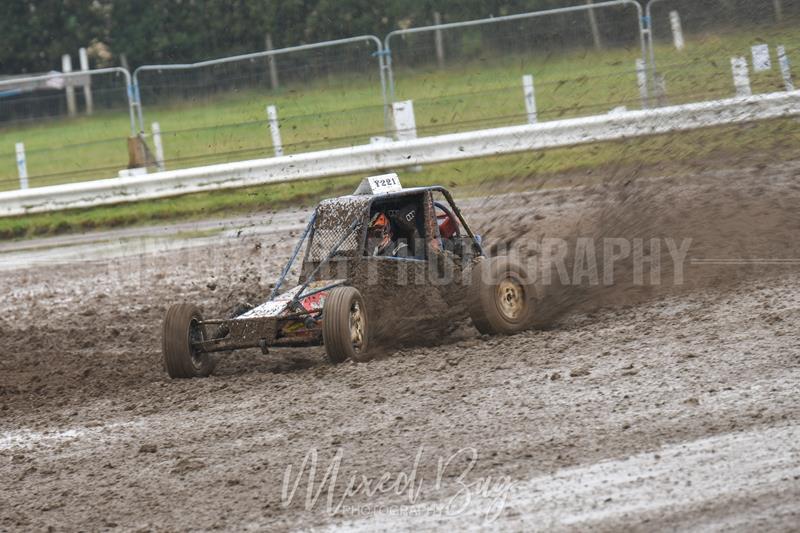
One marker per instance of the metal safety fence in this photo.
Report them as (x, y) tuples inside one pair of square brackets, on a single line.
[(24, 99), (34, 156), (558, 43), (329, 66), (588, 59)]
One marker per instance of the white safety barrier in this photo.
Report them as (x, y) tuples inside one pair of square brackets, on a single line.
[(401, 154)]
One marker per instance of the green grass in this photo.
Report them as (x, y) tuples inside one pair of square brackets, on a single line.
[(347, 110)]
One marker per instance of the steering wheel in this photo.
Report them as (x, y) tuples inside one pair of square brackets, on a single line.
[(448, 224)]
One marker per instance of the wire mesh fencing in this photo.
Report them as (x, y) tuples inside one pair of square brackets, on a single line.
[(505, 104), (325, 94), (583, 60), (205, 144), (320, 77), (49, 162), (29, 99), (64, 127)]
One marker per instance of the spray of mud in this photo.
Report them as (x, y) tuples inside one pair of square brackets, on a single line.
[(730, 230)]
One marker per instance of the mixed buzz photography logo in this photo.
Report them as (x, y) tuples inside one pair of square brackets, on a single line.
[(607, 261), (449, 489)]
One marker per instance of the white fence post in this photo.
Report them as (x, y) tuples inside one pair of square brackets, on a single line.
[(786, 68), (641, 79), (87, 86), (275, 130), (437, 37), (159, 146), (741, 76), (530, 98), (273, 67), (22, 166), (677, 29), (66, 66)]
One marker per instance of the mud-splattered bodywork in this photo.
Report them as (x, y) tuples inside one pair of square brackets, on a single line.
[(334, 252)]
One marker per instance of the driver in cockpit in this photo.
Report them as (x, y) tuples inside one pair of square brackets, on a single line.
[(381, 240)]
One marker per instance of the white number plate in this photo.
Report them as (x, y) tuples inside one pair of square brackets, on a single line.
[(384, 183)]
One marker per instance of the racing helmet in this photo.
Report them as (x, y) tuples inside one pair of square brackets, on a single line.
[(380, 231)]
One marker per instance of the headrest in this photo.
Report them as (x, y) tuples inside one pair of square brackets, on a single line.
[(405, 218)]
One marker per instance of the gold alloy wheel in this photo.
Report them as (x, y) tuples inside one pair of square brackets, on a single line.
[(511, 299), (195, 335), (356, 327)]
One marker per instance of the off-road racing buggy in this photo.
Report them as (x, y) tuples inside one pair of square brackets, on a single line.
[(349, 299)]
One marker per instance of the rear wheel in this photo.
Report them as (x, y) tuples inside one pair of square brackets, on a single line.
[(182, 328), (344, 326), (501, 297)]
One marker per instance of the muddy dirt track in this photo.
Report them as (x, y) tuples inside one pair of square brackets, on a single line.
[(669, 406)]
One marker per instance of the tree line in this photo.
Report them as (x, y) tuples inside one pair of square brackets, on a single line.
[(35, 33)]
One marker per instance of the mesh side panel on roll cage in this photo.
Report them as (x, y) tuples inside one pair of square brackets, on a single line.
[(334, 220)]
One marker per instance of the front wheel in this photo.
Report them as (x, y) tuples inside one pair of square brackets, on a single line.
[(182, 328), (344, 326), (502, 297)]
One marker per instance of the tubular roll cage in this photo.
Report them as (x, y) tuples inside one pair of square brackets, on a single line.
[(253, 332)]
